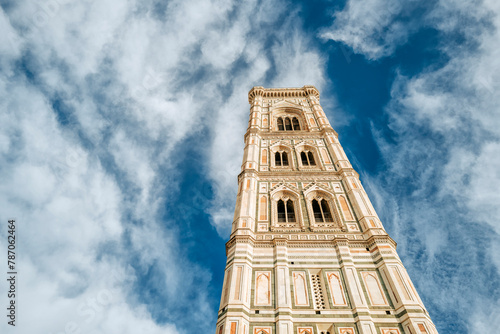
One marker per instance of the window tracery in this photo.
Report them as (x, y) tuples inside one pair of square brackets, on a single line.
[(307, 157), (281, 156), (286, 214), (322, 210)]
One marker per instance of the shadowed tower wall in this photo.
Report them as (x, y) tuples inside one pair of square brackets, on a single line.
[(307, 252)]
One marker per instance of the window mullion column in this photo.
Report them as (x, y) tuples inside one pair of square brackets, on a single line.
[(286, 211), (321, 209)]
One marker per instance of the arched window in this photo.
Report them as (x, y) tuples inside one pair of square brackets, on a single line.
[(280, 124), (281, 159), (281, 211), (290, 214), (286, 213), (307, 158), (303, 157), (284, 158), (321, 211), (288, 123), (326, 211), (310, 157)]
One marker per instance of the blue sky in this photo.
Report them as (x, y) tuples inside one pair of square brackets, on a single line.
[(121, 137)]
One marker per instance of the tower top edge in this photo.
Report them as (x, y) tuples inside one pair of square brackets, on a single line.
[(282, 92)]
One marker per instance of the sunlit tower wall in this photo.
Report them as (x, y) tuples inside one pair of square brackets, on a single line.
[(307, 253)]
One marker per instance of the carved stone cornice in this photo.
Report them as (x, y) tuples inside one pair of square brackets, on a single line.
[(248, 173), (381, 239), (295, 176), (239, 239), (304, 237), (304, 91), (347, 172), (290, 135), (298, 134), (280, 241), (309, 240)]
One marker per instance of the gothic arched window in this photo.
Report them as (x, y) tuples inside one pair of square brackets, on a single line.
[(295, 123), (280, 124), (307, 158), (281, 159), (288, 124), (303, 157), (277, 158), (286, 212), (310, 157), (321, 211)]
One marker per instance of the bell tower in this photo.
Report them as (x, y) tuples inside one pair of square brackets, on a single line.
[(307, 252)]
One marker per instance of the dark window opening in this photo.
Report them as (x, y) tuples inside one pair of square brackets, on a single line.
[(326, 211), (284, 158), (281, 159), (318, 217), (307, 158), (277, 158), (287, 124), (280, 124), (286, 211), (311, 158), (303, 157), (281, 211), (321, 211), (290, 212)]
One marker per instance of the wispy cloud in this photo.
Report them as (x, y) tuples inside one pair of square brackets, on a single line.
[(438, 190), (97, 100), (373, 28)]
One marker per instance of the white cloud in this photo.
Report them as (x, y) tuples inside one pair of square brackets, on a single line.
[(439, 194), (370, 27), (66, 208), (95, 98)]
